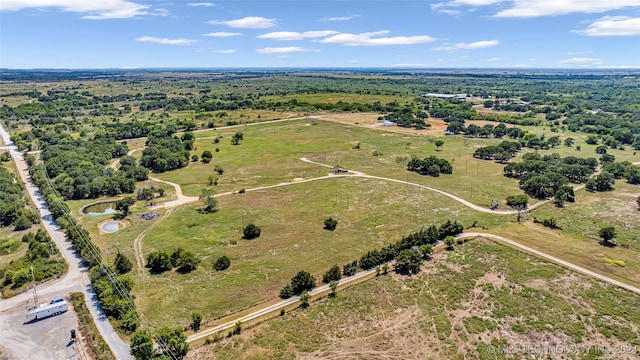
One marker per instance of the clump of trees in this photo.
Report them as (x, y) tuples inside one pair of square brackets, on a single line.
[(545, 176), (13, 210), (40, 255), (164, 154), (430, 165), (172, 344), (122, 264), (500, 153), (160, 261)]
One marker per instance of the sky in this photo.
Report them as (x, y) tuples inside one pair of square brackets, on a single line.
[(91, 34)]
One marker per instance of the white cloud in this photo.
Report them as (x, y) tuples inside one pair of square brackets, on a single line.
[(221, 34), (290, 35), (530, 8), (580, 61), (468, 46), (518, 66), (202, 4), (372, 39), (613, 26), (249, 22), (458, 3), (93, 9), (495, 59), (165, 41), (339, 18), (225, 51), (532, 59), (283, 50)]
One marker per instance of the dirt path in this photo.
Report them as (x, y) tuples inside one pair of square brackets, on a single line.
[(347, 281)]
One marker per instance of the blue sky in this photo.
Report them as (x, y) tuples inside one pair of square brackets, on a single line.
[(430, 34)]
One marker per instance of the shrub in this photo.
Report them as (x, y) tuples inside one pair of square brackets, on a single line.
[(330, 224), (222, 263), (251, 231)]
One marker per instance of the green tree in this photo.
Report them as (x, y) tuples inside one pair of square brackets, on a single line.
[(332, 274), (206, 156), (251, 231), (237, 138), (607, 234), (333, 285), (187, 262), (569, 142), (304, 299), (196, 320), (222, 263), (142, 345), (124, 204), (449, 241), (564, 193), (173, 342), (601, 149), (210, 202), (286, 292), (302, 281), (330, 224), (408, 262), (426, 250), (122, 264), (439, 143), (159, 261)]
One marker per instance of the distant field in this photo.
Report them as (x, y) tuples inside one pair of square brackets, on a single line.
[(271, 154), (475, 302)]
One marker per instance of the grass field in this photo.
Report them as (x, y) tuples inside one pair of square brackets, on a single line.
[(271, 154), (482, 301), (292, 239)]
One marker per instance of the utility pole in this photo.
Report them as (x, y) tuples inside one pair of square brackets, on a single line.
[(35, 294)]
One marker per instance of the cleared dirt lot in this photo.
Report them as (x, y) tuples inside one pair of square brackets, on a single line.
[(48, 338)]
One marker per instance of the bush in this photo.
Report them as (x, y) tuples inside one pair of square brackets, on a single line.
[(332, 275), (222, 263), (302, 281), (330, 224), (251, 231), (159, 261), (517, 200)]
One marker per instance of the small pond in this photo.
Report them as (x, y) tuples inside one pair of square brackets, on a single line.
[(104, 208), (110, 227)]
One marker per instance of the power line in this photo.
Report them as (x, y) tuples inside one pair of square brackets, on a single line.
[(106, 269)]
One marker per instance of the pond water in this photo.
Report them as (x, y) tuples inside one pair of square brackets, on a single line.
[(110, 227), (104, 208)]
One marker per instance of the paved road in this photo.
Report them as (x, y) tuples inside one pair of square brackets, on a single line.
[(76, 279), (550, 258)]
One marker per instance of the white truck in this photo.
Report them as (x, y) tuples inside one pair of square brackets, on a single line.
[(55, 307)]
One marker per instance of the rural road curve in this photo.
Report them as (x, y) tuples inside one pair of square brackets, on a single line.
[(553, 259), (13, 336)]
